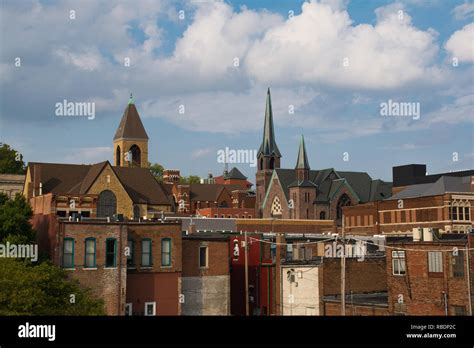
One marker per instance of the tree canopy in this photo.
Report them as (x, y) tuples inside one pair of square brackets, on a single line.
[(11, 161), (42, 290)]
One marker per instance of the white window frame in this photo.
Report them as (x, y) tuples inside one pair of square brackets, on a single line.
[(154, 308), (399, 256), (129, 305)]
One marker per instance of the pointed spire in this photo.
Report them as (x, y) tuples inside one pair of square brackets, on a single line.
[(130, 100), (302, 161), (269, 145), (131, 125)]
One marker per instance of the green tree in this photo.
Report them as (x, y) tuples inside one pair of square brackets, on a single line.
[(11, 161), (157, 170), (192, 179), (15, 215), (42, 290)]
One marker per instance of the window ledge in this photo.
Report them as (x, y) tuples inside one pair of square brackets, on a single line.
[(90, 268), (166, 266), (146, 267), (111, 267), (69, 268)]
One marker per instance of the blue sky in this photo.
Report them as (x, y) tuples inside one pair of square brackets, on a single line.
[(400, 51)]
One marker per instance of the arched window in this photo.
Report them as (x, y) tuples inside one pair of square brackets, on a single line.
[(272, 163), (276, 206), (343, 201), (322, 215), (261, 163), (118, 156), (136, 156), (107, 204)]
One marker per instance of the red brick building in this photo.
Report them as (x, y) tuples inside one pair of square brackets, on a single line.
[(205, 279), (431, 277), (135, 267), (445, 205)]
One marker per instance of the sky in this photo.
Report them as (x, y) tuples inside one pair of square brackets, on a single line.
[(199, 73)]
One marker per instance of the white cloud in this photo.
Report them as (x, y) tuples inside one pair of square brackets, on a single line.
[(198, 153), (464, 11), (226, 112), (88, 59), (461, 44), (88, 155), (312, 47)]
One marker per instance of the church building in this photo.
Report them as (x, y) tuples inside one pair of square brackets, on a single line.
[(302, 193), (126, 190)]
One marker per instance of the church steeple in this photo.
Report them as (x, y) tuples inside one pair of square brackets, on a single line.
[(302, 164), (131, 139), (268, 149)]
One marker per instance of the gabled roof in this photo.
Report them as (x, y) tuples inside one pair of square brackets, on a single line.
[(59, 179), (443, 185), (209, 192), (329, 180), (269, 145), (131, 126)]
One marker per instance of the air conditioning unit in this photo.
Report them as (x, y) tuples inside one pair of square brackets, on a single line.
[(427, 234)]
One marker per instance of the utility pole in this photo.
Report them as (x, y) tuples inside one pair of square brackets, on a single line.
[(246, 277), (343, 272)]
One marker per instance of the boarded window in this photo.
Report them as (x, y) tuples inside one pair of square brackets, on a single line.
[(435, 262)]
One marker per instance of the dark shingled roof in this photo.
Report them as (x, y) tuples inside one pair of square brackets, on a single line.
[(139, 183), (235, 173), (329, 180), (441, 186), (131, 126), (209, 192)]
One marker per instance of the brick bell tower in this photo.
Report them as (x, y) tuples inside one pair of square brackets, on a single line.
[(131, 140), (302, 190), (268, 157)]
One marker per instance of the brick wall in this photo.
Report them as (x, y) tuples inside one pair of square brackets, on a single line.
[(334, 309), (106, 283), (361, 276), (107, 180), (422, 292)]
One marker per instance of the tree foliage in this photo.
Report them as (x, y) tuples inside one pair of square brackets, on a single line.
[(192, 179), (42, 290), (11, 161), (15, 215), (157, 170)]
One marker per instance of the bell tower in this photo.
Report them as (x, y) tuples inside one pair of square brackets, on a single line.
[(131, 140), (268, 156)]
